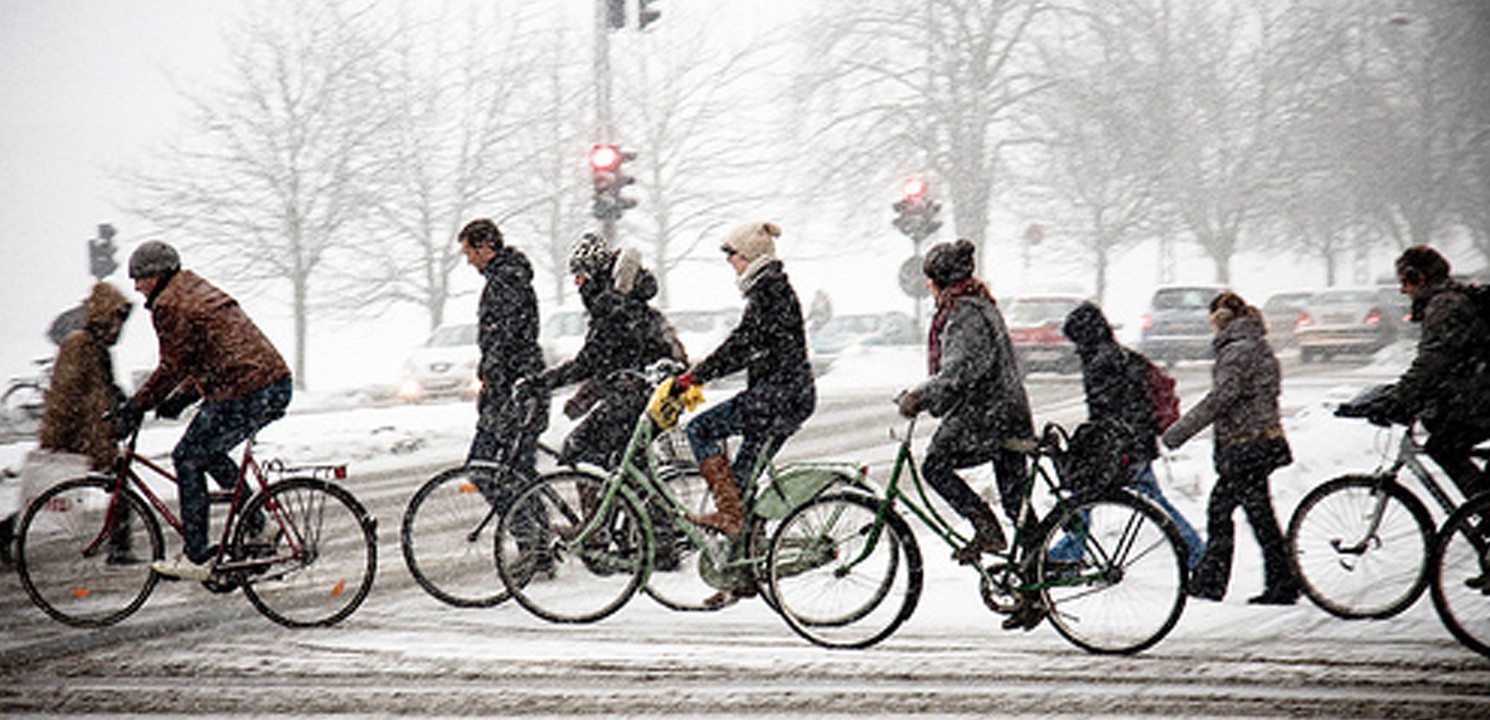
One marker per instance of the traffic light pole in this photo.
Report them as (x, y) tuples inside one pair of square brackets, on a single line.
[(602, 94)]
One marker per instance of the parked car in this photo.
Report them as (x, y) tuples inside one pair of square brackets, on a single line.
[(1282, 312), (842, 332), (445, 365), (1177, 325), (701, 331), (1034, 323), (1341, 321)]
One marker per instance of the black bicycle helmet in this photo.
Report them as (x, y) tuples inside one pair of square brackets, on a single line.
[(153, 258)]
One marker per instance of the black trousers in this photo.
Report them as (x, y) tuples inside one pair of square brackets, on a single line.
[(945, 455), (1250, 491), (1449, 445)]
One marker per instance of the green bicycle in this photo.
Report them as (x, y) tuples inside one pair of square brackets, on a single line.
[(578, 543), (834, 561)]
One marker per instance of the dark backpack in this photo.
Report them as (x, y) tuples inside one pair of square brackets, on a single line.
[(1480, 296), (1094, 459)]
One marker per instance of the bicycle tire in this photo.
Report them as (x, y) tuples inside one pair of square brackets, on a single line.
[(447, 535), (1387, 573), (23, 401), (324, 559), (74, 588), (572, 580), (1461, 555), (1127, 591), (681, 573), (820, 594)]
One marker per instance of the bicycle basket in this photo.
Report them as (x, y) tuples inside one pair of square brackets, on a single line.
[(1094, 459)]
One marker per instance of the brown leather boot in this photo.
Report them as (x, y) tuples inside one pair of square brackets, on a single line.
[(728, 517)]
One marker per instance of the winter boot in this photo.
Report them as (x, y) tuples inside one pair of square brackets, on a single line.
[(7, 535), (987, 537), (728, 517)]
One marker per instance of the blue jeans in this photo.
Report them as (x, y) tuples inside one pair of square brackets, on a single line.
[(219, 426), (707, 432), (1147, 485)]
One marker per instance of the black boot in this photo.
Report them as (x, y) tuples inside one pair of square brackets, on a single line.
[(7, 535), (987, 537)]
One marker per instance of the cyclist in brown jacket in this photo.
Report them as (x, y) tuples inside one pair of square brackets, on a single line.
[(209, 348)]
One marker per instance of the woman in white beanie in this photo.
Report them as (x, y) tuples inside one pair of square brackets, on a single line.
[(770, 344)]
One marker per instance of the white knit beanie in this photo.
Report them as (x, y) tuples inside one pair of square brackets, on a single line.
[(753, 240)]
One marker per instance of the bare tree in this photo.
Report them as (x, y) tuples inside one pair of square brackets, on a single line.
[(274, 180), (933, 87)]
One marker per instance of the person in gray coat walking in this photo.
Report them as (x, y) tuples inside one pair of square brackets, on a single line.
[(976, 390), (1248, 445)]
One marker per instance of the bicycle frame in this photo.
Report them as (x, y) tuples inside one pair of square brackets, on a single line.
[(126, 476), (1408, 450), (926, 512)]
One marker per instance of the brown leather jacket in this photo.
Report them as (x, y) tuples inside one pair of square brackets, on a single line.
[(206, 337), (82, 387)]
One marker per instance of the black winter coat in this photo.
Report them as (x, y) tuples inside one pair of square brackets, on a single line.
[(507, 322), (1115, 379), (770, 344), (624, 333), (1448, 381)]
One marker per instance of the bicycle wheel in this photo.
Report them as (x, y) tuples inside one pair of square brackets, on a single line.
[(1461, 574), (556, 569), (323, 560), (1127, 590), (683, 575), (81, 564), (834, 562), (447, 535), (1359, 547)]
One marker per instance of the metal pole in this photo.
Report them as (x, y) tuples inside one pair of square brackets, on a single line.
[(602, 94)]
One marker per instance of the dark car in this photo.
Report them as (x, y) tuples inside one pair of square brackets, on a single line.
[(1282, 312), (1341, 321), (1177, 325), (1034, 323)]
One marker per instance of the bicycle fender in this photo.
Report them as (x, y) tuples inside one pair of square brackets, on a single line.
[(797, 484)]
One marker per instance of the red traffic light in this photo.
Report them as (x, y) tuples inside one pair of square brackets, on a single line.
[(913, 188), (605, 158)]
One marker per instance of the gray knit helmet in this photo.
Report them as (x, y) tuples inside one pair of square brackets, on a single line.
[(153, 258)]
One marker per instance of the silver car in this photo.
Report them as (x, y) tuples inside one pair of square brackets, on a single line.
[(1341, 321), (1177, 325)]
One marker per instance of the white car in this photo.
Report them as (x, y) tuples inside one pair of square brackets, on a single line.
[(445, 365)]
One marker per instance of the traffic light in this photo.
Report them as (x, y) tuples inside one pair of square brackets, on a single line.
[(915, 212), (607, 168), (615, 14), (101, 262), (646, 14)]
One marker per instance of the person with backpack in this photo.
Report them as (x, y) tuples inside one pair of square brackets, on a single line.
[(1248, 445), (625, 335), (1448, 384), (1120, 387)]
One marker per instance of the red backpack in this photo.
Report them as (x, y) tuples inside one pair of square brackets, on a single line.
[(1161, 390)]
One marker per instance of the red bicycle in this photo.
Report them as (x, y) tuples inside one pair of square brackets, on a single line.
[(302, 548)]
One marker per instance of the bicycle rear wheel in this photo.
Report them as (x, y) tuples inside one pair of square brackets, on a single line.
[(321, 564), (447, 537), (1359, 546), (80, 563), (1127, 590), (833, 564), (1461, 574), (556, 569)]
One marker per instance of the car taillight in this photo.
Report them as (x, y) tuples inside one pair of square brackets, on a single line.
[(1372, 317), (1303, 321), (1146, 322)]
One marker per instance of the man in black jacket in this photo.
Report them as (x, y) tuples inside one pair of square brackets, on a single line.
[(507, 331)]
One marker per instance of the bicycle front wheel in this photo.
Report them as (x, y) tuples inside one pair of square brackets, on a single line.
[(567, 555), (1461, 574), (82, 563), (320, 564), (447, 536), (834, 563), (1127, 590), (1359, 546)]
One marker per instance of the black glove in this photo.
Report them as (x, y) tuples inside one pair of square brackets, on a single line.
[(126, 418), (172, 407)]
